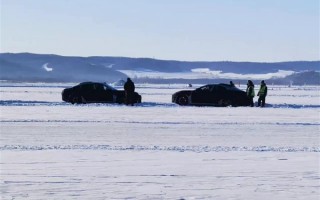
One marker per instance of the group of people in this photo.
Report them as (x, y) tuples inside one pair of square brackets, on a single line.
[(262, 93), (129, 88)]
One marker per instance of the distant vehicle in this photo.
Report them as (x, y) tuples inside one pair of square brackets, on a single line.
[(212, 95), (93, 92)]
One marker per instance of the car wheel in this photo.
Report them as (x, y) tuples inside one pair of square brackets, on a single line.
[(78, 100), (182, 100), (224, 102), (70, 99), (74, 100), (83, 100)]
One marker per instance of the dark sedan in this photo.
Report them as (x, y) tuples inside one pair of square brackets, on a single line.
[(92, 92), (212, 95)]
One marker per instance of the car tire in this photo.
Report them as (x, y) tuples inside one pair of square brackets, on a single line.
[(224, 102), (182, 100), (74, 100), (78, 100), (71, 99), (83, 100)]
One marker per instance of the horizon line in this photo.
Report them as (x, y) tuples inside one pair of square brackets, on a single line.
[(153, 58)]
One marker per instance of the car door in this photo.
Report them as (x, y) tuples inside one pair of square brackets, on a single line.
[(218, 94), (87, 93), (107, 94), (98, 93), (201, 95)]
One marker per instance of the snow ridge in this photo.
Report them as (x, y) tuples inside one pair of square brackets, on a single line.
[(144, 104), (163, 122), (196, 149)]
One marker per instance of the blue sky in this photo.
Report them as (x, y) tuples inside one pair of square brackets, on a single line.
[(192, 30)]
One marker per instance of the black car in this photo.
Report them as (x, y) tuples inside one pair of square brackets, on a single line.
[(93, 92), (212, 95)]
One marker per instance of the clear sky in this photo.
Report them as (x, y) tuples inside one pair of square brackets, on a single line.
[(192, 30)]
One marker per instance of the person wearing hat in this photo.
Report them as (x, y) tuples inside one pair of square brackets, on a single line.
[(250, 92), (129, 91), (262, 94)]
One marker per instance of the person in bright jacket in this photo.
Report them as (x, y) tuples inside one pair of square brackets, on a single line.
[(129, 92), (262, 94), (250, 92)]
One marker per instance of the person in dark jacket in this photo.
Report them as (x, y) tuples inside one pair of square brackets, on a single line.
[(129, 92), (232, 84), (250, 92), (262, 94)]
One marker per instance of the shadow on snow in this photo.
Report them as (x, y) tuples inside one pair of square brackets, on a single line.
[(143, 104)]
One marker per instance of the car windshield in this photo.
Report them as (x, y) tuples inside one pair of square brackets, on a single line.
[(204, 88), (108, 87)]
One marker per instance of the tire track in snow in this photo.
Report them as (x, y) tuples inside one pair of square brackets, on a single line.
[(163, 122), (143, 104), (197, 149)]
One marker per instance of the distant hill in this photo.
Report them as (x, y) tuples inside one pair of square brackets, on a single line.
[(308, 78), (55, 68), (299, 78)]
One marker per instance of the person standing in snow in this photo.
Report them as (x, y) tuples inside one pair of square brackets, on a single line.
[(232, 84), (250, 92), (262, 94), (129, 91)]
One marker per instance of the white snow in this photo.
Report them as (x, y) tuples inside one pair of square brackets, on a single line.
[(109, 66), (158, 150), (45, 67), (204, 73)]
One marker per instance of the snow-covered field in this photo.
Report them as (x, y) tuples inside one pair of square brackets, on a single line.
[(158, 150)]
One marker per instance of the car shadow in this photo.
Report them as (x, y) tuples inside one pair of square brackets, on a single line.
[(143, 104)]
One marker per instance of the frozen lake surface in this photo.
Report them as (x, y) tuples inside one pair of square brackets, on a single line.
[(158, 150)]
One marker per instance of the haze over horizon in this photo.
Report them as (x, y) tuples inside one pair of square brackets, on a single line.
[(234, 61), (189, 30)]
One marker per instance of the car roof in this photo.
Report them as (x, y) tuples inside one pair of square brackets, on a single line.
[(85, 83), (105, 84), (227, 86)]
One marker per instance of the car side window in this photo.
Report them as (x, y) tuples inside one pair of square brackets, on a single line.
[(204, 88), (212, 88), (87, 87), (219, 89), (98, 87)]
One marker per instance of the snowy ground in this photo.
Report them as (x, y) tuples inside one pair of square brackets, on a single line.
[(158, 150)]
